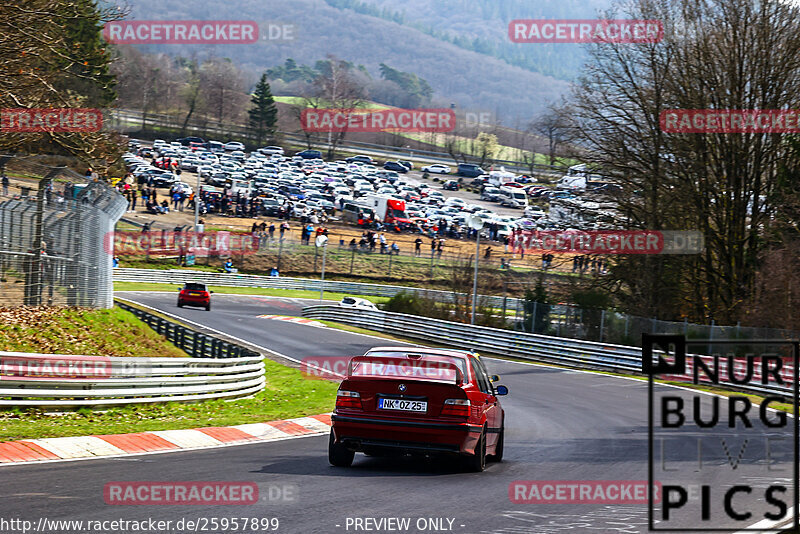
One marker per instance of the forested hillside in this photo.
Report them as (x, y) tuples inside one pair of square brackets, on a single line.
[(455, 73)]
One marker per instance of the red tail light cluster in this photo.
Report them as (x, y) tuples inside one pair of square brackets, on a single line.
[(348, 399), (456, 407)]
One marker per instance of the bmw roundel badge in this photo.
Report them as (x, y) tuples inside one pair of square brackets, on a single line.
[(401, 387)]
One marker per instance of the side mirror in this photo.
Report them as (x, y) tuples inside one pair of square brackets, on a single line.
[(210, 291), (494, 378), (501, 390)]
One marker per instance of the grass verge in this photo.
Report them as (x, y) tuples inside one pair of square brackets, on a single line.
[(287, 394), (82, 331)]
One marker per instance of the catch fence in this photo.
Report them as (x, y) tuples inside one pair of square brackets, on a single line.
[(53, 223)]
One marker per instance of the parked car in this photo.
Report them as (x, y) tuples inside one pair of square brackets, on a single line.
[(234, 145), (195, 294), (270, 207), (186, 141), (534, 212), (361, 159), (469, 170), (395, 166), (354, 302), (418, 401), (450, 185), (310, 154), (437, 168), (491, 194), (271, 150), (407, 164)]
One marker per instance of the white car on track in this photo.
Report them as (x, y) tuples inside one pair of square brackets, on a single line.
[(354, 302)]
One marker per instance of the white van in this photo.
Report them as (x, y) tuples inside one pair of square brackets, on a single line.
[(513, 197)]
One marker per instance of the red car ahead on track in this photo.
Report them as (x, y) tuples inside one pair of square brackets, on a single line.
[(418, 400), (194, 294)]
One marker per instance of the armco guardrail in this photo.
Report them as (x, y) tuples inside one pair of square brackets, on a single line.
[(181, 276), (194, 343), (126, 380), (533, 347), (216, 369)]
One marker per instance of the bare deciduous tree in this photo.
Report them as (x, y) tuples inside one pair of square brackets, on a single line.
[(720, 54)]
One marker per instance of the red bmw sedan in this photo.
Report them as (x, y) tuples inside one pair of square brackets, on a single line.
[(418, 401)]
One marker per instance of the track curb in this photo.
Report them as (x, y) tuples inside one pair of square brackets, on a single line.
[(114, 445)]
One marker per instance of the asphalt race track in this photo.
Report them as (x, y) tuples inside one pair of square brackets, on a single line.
[(560, 425)]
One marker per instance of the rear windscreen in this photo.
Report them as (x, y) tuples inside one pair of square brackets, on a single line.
[(399, 365), (195, 287)]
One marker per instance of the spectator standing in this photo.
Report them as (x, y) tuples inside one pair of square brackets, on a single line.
[(417, 246), (5, 185)]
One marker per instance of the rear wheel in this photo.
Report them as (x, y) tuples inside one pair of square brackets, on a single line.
[(180, 304), (498, 450), (208, 307), (338, 454), (477, 462)]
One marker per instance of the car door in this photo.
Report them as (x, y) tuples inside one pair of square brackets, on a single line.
[(490, 405)]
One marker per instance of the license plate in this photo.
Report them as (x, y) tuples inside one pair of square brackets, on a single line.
[(402, 405), (194, 294)]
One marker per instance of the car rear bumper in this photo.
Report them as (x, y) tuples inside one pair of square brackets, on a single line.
[(194, 301), (363, 432)]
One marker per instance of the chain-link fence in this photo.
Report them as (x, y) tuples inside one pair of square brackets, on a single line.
[(619, 328), (53, 223)]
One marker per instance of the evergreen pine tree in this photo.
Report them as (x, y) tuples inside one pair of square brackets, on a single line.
[(264, 113)]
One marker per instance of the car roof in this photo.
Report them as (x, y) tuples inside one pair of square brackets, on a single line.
[(425, 350)]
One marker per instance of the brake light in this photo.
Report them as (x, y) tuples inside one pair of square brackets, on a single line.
[(456, 407), (348, 399)]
